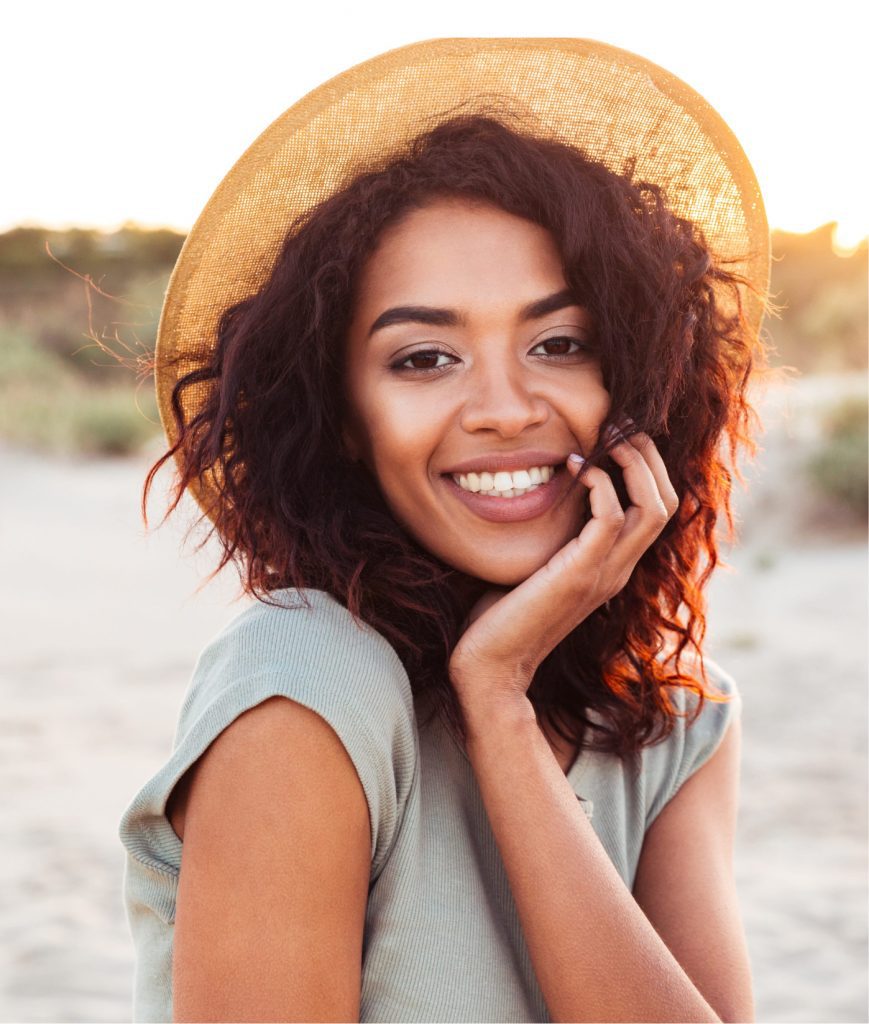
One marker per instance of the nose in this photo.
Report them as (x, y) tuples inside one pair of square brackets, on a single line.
[(500, 399)]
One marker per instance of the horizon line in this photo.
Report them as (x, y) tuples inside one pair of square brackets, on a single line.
[(843, 248)]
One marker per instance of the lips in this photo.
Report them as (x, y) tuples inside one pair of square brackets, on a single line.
[(508, 461), (513, 510)]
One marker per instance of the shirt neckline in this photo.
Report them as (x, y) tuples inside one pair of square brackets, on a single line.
[(573, 775)]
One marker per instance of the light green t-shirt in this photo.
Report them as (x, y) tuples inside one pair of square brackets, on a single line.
[(442, 938)]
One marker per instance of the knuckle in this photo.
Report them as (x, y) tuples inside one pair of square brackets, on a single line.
[(669, 503), (660, 514), (615, 518)]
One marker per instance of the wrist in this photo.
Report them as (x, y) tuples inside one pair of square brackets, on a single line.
[(489, 717)]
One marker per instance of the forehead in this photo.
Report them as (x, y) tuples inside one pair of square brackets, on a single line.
[(455, 250)]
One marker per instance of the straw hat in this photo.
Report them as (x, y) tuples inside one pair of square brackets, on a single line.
[(612, 104)]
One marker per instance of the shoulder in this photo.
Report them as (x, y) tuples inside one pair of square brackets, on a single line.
[(305, 639), (699, 722), (307, 647), (695, 737)]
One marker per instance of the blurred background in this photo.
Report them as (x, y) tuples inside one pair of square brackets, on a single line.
[(119, 122)]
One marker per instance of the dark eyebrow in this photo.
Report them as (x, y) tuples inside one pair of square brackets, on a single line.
[(449, 318), (416, 315), (551, 304)]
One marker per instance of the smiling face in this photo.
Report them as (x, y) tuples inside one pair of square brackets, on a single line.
[(465, 351)]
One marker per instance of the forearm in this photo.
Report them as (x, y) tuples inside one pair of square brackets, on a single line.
[(596, 955)]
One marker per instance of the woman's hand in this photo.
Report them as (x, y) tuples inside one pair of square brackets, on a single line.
[(510, 632)]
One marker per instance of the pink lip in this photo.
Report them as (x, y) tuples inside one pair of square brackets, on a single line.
[(513, 510), (508, 461)]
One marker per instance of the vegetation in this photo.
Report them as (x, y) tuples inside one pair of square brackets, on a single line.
[(839, 468), (823, 300), (79, 312), (78, 322), (46, 403)]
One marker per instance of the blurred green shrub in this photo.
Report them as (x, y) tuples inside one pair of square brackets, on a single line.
[(109, 423), (839, 469), (23, 360), (66, 289), (823, 296), (45, 404)]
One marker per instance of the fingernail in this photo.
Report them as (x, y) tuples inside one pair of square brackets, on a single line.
[(577, 460), (612, 433)]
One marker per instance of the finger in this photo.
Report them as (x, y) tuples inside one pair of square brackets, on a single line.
[(607, 520), (648, 449), (648, 511)]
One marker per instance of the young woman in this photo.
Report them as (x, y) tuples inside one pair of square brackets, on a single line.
[(462, 426)]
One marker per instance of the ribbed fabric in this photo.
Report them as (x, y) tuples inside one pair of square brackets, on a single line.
[(442, 935)]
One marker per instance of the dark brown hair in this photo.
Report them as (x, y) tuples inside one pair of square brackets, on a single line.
[(676, 355)]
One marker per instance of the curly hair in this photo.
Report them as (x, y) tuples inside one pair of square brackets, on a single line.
[(676, 354)]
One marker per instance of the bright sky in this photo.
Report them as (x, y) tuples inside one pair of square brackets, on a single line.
[(134, 111)]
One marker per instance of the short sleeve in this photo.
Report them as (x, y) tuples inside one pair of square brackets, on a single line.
[(690, 746), (320, 657)]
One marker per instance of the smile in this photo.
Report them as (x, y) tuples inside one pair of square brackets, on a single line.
[(505, 484), (506, 506)]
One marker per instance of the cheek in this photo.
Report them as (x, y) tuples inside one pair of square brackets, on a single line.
[(401, 440), (587, 411), (601, 407)]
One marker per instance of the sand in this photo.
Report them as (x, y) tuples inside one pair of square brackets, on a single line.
[(101, 627)]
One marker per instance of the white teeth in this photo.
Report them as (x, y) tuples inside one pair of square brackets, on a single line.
[(511, 493), (503, 484)]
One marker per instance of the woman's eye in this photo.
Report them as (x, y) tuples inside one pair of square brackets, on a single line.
[(423, 360), (562, 345)]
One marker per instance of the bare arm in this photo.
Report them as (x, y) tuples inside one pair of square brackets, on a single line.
[(274, 874), (686, 886), (596, 954)]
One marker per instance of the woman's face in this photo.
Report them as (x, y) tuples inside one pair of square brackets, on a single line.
[(466, 352)]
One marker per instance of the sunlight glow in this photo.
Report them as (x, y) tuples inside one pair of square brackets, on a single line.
[(124, 117)]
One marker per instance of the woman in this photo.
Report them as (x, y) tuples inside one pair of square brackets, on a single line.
[(460, 427)]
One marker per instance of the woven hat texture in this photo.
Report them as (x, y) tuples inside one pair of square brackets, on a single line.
[(614, 105)]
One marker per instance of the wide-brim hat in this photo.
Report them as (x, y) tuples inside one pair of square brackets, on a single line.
[(614, 105)]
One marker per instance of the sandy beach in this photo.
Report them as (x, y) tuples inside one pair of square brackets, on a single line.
[(102, 625)]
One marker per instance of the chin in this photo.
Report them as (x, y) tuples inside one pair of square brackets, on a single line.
[(501, 574), (499, 562)]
